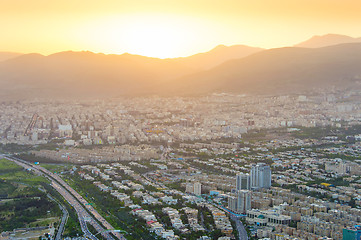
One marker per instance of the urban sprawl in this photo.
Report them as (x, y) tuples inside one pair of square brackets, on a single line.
[(220, 166)]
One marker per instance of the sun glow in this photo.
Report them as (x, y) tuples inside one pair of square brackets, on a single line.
[(152, 36), (169, 28)]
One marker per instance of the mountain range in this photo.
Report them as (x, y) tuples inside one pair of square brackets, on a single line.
[(8, 55), (327, 40), (280, 71), (240, 69)]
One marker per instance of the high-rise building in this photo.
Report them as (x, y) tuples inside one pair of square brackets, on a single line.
[(244, 201), (189, 187), (232, 202), (240, 202), (243, 181), (197, 188), (260, 176)]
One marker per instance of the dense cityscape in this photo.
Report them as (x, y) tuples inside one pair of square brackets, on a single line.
[(219, 166), (180, 120)]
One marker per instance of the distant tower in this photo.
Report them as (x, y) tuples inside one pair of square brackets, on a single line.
[(240, 202), (243, 201), (243, 181), (260, 176), (232, 203), (189, 187), (197, 188)]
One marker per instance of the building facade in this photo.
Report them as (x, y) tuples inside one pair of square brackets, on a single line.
[(240, 202), (197, 188), (260, 176), (243, 181)]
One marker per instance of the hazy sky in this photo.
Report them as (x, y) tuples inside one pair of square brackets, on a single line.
[(169, 28)]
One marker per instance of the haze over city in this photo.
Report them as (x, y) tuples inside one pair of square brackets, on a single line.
[(180, 120)]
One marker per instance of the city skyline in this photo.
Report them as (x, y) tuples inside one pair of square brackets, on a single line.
[(170, 119)]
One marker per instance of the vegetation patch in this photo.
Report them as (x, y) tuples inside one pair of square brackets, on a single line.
[(22, 203)]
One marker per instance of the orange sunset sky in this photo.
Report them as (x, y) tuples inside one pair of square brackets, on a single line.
[(169, 28)]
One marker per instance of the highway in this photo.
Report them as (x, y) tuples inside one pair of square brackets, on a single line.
[(83, 216), (87, 206), (75, 200)]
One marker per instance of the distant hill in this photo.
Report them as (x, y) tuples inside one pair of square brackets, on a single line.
[(283, 70), (7, 55), (84, 74), (218, 55), (90, 75), (327, 40)]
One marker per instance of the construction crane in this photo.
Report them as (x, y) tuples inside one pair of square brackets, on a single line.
[(31, 124)]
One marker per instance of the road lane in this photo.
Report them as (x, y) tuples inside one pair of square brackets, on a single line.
[(75, 200)]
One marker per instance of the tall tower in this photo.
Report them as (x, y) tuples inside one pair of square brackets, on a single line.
[(232, 203), (260, 176), (243, 181), (197, 188), (243, 201), (240, 202)]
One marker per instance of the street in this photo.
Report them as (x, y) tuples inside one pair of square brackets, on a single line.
[(240, 228)]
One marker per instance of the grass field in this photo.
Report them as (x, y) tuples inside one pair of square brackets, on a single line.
[(8, 166), (56, 167), (23, 177), (44, 222), (22, 204)]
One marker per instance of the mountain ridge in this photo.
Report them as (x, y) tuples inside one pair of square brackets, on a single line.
[(85, 73), (88, 74), (280, 70), (318, 41), (8, 55)]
